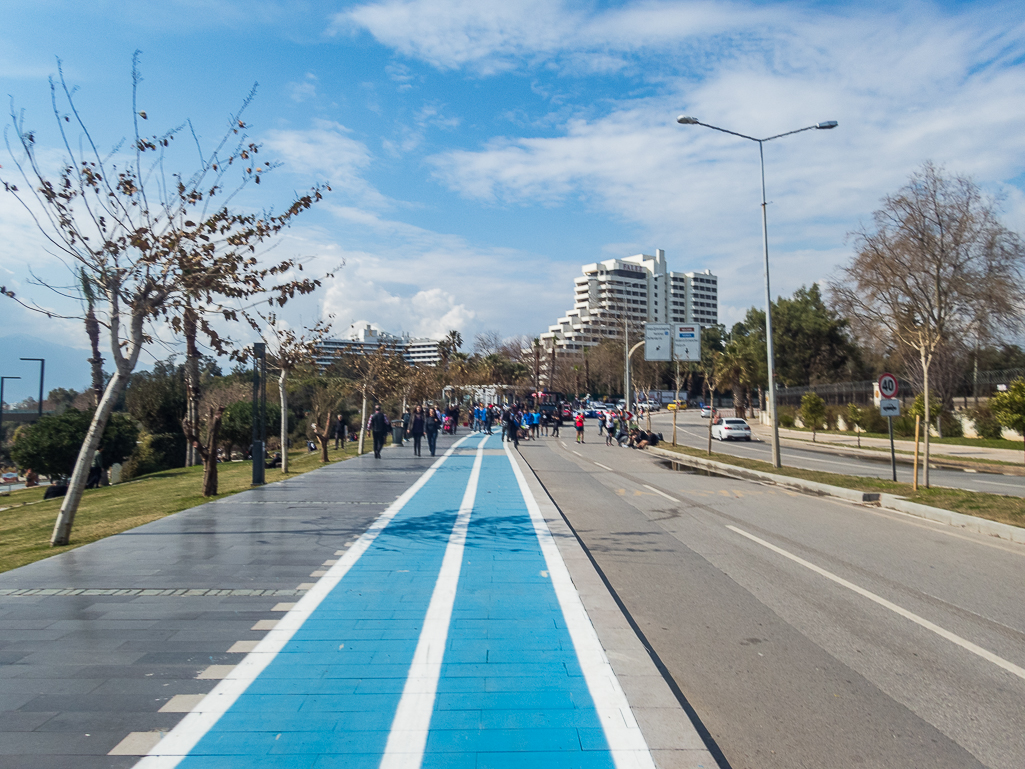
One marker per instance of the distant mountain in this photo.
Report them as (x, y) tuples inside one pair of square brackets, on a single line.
[(65, 366)]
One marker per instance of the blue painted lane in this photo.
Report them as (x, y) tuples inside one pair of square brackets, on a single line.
[(511, 691), (332, 691)]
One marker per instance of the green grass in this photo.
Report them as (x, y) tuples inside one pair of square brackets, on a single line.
[(994, 507), (26, 526), (980, 462)]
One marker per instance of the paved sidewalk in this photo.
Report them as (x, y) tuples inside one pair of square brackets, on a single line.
[(764, 432), (372, 613)]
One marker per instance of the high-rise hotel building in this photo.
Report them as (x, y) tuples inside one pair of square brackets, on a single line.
[(641, 290)]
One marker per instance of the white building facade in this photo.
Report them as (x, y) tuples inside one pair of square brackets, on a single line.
[(368, 339), (636, 290)]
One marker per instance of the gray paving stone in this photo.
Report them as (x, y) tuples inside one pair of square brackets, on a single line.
[(15, 721)]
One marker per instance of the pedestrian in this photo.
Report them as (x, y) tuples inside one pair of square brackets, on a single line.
[(416, 429), (340, 432), (579, 422), (379, 425), (489, 419), (431, 426), (556, 421), (610, 427), (512, 428), (406, 418)]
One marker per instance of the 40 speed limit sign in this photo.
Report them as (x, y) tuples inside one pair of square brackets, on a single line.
[(888, 386)]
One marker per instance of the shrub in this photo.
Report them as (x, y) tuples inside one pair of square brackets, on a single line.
[(155, 453), (786, 416), (986, 424), (813, 412), (51, 445)]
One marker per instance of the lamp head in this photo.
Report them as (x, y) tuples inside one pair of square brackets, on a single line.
[(827, 124), (687, 120)]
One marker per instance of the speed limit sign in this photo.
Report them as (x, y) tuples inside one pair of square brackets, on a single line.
[(888, 386)]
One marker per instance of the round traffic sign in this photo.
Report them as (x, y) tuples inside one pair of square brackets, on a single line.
[(888, 386)]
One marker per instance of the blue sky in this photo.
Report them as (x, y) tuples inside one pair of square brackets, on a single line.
[(480, 152)]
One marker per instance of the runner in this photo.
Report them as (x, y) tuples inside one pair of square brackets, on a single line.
[(580, 426)]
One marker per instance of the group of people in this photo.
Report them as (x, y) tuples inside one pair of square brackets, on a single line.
[(517, 422)]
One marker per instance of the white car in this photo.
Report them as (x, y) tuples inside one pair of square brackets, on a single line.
[(706, 412), (731, 429)]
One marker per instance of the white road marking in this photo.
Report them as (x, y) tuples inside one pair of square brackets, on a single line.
[(170, 751), (408, 736), (626, 744), (987, 655), (578, 454), (661, 493), (605, 467)]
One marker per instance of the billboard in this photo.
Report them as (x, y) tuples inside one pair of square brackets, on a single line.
[(658, 342), (687, 342)]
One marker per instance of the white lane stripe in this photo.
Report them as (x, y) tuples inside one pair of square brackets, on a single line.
[(987, 655), (661, 493), (626, 743), (578, 453), (605, 467), (408, 736), (167, 753)]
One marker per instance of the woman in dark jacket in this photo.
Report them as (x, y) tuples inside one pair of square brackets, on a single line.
[(431, 426), (416, 429)]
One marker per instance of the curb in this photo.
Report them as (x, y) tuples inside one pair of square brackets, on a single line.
[(887, 501)]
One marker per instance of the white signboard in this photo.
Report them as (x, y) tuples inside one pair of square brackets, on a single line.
[(889, 407), (687, 342), (658, 342)]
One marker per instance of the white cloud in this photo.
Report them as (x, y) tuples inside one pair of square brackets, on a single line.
[(326, 152), (305, 89)]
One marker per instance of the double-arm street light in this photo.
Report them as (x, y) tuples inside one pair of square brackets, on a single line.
[(686, 120)]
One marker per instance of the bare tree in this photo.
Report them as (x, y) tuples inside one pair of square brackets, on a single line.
[(148, 245), (289, 349), (936, 262)]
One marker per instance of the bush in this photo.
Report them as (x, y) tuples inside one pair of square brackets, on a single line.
[(787, 415), (51, 445), (832, 415), (813, 412), (986, 424), (237, 423)]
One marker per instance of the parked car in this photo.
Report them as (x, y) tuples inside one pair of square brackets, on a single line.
[(731, 429), (676, 406), (706, 412), (9, 478)]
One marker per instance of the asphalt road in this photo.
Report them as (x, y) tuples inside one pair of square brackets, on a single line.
[(804, 631), (692, 430)]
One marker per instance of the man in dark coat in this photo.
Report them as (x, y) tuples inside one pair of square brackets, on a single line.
[(379, 427)]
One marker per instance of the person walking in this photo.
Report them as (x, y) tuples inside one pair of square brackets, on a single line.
[(416, 429), (431, 427), (610, 427), (340, 432), (379, 426), (556, 421), (512, 428), (579, 422)]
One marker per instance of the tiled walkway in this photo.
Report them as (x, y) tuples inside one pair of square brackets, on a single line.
[(448, 635)]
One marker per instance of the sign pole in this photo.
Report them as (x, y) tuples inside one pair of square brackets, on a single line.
[(893, 454)]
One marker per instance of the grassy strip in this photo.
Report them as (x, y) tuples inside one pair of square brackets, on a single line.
[(25, 529), (994, 507)]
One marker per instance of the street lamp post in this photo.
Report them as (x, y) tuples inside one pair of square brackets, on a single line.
[(687, 120), (42, 372)]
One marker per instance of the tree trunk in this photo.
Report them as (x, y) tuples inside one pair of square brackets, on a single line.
[(362, 424), (192, 390), (324, 441), (92, 329), (213, 429), (66, 517), (283, 393)]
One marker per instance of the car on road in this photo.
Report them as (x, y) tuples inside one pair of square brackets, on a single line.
[(676, 406), (731, 429), (706, 412)]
